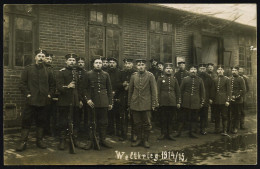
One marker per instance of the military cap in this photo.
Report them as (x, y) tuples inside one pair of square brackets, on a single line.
[(112, 58), (181, 62), (128, 60), (202, 65), (210, 64), (104, 58), (49, 55), (140, 61), (220, 66), (40, 51), (151, 60), (168, 65), (95, 57), (193, 66), (235, 67), (81, 58), (160, 63), (71, 55)]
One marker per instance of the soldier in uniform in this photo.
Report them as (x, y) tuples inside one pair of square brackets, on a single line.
[(98, 95), (105, 65), (142, 98), (208, 84), (114, 114), (154, 68), (213, 75), (125, 76), (242, 116), (37, 84), (193, 97), (238, 89), (169, 97), (68, 86), (221, 99)]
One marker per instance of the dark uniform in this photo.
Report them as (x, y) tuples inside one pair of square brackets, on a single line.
[(37, 83), (125, 76), (114, 114), (168, 96), (142, 96), (222, 94), (193, 96), (242, 117), (203, 112), (68, 97), (238, 89), (98, 88)]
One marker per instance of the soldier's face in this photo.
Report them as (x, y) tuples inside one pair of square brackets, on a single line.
[(81, 63), (182, 66), (71, 62), (168, 70), (202, 69), (160, 67), (48, 60), (240, 70), (234, 71), (141, 66), (210, 68), (154, 63), (193, 71), (97, 64), (112, 64), (105, 63), (39, 58), (128, 65), (220, 71)]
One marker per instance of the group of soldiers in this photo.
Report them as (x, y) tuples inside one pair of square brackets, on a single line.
[(112, 99)]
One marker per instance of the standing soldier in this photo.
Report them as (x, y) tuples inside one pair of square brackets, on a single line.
[(160, 71), (169, 97), (193, 96), (213, 75), (208, 84), (37, 84), (238, 89), (221, 99), (114, 114), (142, 98), (68, 87), (125, 76), (154, 68), (105, 65), (242, 117), (98, 94)]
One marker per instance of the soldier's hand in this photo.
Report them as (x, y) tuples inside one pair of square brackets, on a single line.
[(90, 103), (71, 85), (227, 104), (210, 101), (153, 108), (110, 107), (178, 106), (125, 83), (28, 95), (49, 96), (201, 105), (80, 104)]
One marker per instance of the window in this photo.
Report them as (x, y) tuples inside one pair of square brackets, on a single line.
[(155, 26), (245, 60), (112, 19), (18, 35), (96, 16), (167, 27)]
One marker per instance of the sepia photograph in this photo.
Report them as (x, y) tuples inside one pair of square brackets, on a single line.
[(130, 84)]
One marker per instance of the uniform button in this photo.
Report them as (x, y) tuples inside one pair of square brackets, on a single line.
[(98, 91)]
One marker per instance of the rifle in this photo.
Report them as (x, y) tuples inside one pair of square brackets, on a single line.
[(70, 130), (93, 127)]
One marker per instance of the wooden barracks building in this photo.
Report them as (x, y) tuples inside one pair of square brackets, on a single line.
[(118, 30)]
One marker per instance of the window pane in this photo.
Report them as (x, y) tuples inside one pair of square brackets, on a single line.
[(165, 27), (28, 36), (116, 34), (167, 44), (27, 60), (167, 58), (93, 15), (19, 23), (116, 44), (110, 33), (99, 17), (109, 54), (155, 44), (19, 54), (157, 26), (115, 19), (6, 59), (109, 18), (6, 27), (27, 24), (169, 27), (27, 48), (19, 36), (152, 25), (115, 54)]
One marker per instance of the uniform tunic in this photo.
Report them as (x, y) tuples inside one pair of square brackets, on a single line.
[(222, 90), (142, 95), (238, 88), (168, 91), (180, 75), (208, 85), (193, 92)]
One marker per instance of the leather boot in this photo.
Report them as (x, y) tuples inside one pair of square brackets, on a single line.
[(179, 130), (39, 141), (75, 138), (103, 142), (138, 141), (62, 141), (88, 145), (23, 140), (224, 124), (145, 140), (161, 137)]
